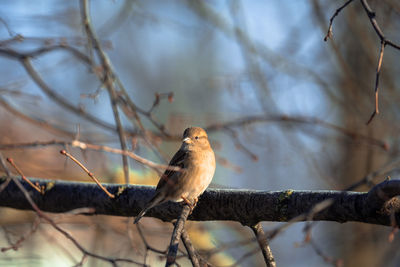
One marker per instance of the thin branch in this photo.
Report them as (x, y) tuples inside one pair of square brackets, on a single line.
[(305, 216), (24, 57), (27, 198), (4, 22), (239, 145), (384, 41), (264, 246), (176, 235), (10, 53), (189, 248), (148, 247), (225, 246), (244, 257), (329, 33), (37, 188), (371, 15), (284, 64), (296, 119), (326, 258), (108, 79), (89, 146), (91, 175), (37, 122), (18, 93), (16, 245), (378, 72), (26, 62), (157, 99), (383, 171)]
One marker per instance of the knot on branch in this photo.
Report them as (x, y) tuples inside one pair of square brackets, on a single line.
[(383, 199), (371, 15)]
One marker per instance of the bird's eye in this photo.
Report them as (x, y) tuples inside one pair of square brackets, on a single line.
[(196, 137)]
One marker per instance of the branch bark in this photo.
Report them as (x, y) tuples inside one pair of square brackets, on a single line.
[(190, 249), (264, 245), (245, 206), (176, 236)]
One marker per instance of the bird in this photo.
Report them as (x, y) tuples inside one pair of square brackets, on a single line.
[(196, 159)]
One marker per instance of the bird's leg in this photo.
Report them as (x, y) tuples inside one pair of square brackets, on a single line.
[(187, 201), (190, 204)]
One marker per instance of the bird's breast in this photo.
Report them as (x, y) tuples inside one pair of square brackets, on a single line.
[(202, 171)]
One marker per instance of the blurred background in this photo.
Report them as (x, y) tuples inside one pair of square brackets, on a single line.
[(283, 109)]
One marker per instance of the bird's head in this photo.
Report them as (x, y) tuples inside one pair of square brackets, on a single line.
[(195, 137)]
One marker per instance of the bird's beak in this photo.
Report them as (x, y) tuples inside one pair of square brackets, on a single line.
[(186, 140)]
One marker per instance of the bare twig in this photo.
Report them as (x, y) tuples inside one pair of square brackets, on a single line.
[(34, 121), (26, 62), (10, 53), (148, 247), (108, 80), (383, 171), (89, 146), (264, 246), (329, 33), (326, 258), (23, 56), (244, 257), (91, 175), (16, 38), (18, 93), (113, 261), (375, 25), (10, 32), (189, 248), (378, 72), (304, 216), (239, 145), (176, 235), (42, 215), (309, 240), (36, 187), (130, 154), (384, 41), (225, 246), (19, 242), (296, 119)]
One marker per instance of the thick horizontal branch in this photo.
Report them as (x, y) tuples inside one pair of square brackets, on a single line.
[(245, 206)]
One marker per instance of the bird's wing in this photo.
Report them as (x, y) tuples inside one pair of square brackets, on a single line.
[(177, 160)]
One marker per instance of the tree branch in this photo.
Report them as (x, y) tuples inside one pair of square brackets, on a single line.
[(264, 245), (194, 259), (245, 206), (176, 236), (108, 81)]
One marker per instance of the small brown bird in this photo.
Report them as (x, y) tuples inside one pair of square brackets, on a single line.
[(197, 162)]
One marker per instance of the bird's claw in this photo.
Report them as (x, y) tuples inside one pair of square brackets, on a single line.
[(189, 203)]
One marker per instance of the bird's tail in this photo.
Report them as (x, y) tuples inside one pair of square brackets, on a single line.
[(157, 199)]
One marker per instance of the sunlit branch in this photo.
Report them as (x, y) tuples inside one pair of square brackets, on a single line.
[(88, 146), (245, 206)]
